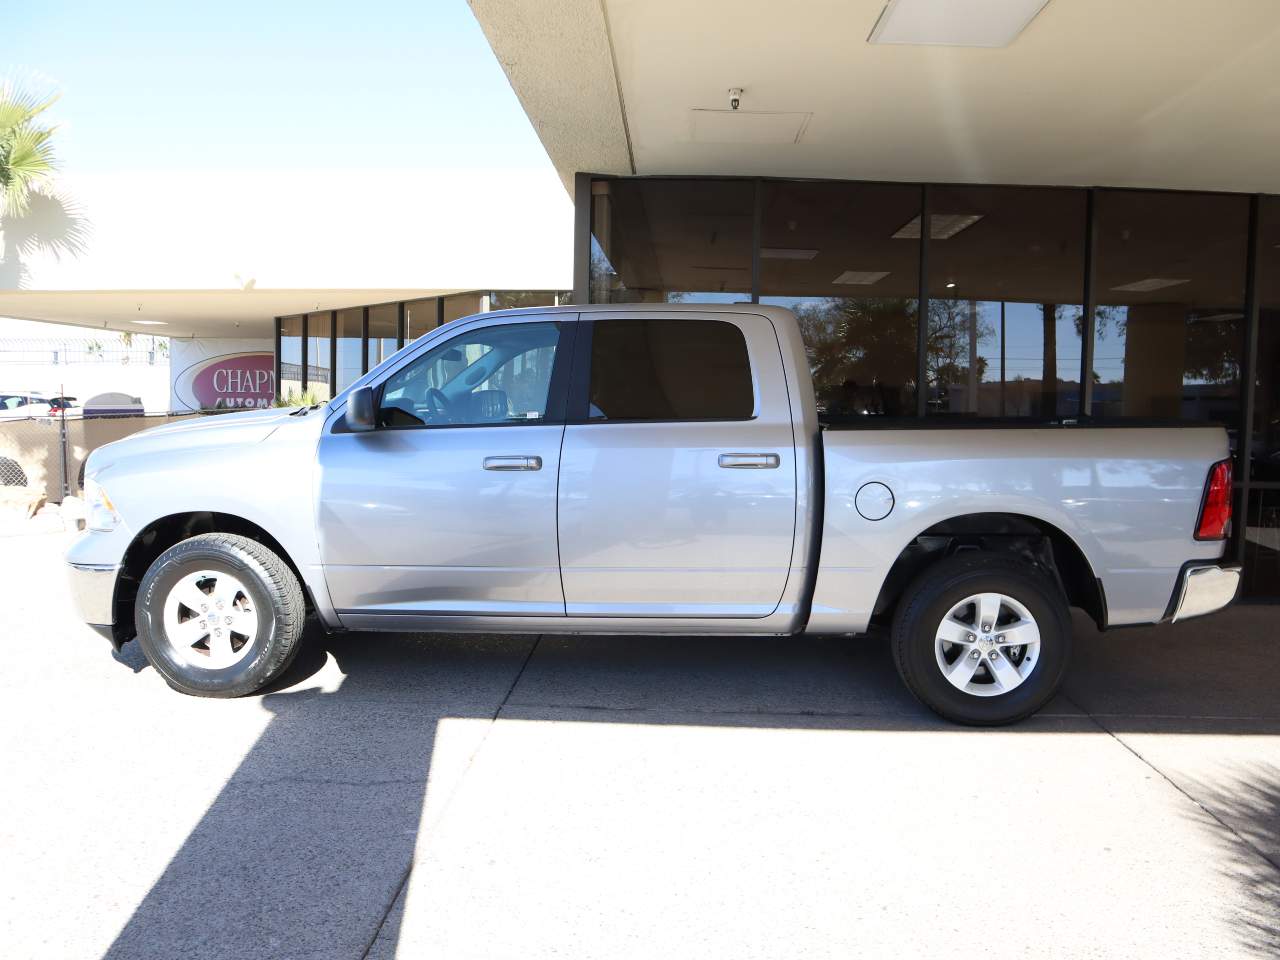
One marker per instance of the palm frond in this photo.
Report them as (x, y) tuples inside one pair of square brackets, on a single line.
[(18, 107)]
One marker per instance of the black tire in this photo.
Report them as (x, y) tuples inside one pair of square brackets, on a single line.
[(276, 595), (932, 596)]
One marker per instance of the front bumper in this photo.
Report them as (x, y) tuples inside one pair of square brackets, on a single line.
[(93, 591), (1204, 588)]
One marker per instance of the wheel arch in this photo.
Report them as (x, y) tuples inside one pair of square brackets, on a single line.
[(1041, 543), (161, 534)]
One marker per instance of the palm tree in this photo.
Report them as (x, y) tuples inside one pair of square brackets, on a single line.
[(26, 152), (34, 218)]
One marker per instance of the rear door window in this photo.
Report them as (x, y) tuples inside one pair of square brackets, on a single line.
[(669, 370)]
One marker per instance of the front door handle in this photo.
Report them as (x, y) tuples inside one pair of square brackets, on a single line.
[(749, 461), (513, 463)]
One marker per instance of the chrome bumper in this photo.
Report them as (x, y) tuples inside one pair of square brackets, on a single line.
[(93, 590), (1205, 589)]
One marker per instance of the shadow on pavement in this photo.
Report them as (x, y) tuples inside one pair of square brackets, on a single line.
[(308, 844)]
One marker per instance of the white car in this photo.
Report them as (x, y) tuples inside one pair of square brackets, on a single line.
[(16, 405)]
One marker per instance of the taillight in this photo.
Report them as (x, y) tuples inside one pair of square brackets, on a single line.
[(1215, 512)]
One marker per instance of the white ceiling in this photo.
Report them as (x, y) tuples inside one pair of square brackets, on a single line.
[(1151, 93), (187, 313)]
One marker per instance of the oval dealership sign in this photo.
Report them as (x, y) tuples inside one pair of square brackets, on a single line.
[(229, 381)]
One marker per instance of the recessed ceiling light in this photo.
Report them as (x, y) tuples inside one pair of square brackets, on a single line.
[(1149, 284), (783, 253), (861, 278), (974, 23), (150, 323), (951, 284), (942, 226)]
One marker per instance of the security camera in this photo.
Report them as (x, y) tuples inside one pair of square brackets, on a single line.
[(735, 97)]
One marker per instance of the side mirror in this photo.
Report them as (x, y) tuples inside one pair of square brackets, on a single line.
[(360, 413)]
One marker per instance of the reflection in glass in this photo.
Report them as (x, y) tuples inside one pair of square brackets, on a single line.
[(461, 305), (841, 256), (290, 357), (319, 329), (1170, 289), (420, 316), (382, 333), (350, 329), (1006, 278), (1261, 531), (671, 241)]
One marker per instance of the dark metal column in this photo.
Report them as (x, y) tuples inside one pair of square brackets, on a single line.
[(1249, 375), (399, 324), (364, 340), (276, 369), (581, 237), (922, 311), (757, 221), (1088, 306), (333, 352), (304, 378)]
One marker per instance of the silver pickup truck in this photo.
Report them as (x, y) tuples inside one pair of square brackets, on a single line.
[(644, 469)]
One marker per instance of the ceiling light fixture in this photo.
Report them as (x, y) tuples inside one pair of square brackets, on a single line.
[(785, 253), (150, 323), (1149, 284), (942, 226), (974, 23), (951, 284), (861, 278)]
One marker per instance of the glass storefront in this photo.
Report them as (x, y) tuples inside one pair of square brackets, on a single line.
[(319, 367), (1041, 303), (420, 316), (1006, 285), (668, 241), (383, 342), (290, 358), (350, 331), (1170, 288), (833, 253)]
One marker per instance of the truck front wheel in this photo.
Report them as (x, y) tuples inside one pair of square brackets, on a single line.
[(982, 639), (219, 615)]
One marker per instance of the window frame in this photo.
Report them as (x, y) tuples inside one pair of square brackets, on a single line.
[(578, 409)]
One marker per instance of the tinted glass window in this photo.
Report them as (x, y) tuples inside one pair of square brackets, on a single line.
[(672, 241), (498, 374), (1006, 282), (1169, 283), (669, 370), (846, 259)]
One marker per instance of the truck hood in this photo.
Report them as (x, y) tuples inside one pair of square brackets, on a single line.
[(215, 430)]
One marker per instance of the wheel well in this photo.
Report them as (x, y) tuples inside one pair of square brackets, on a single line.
[(1039, 543), (160, 535)]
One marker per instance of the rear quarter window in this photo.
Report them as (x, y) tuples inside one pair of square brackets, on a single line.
[(669, 370)]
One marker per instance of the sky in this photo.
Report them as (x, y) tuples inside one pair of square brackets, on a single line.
[(357, 146), (254, 85)]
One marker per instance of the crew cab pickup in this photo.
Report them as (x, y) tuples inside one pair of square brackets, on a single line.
[(644, 469)]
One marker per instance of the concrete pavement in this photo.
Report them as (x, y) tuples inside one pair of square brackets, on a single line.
[(444, 796)]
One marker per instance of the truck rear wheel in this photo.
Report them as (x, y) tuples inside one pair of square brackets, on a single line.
[(219, 615), (982, 639)]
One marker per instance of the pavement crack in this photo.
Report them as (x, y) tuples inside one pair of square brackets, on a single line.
[(1244, 841)]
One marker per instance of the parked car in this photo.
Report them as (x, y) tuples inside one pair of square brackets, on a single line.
[(20, 405), (62, 406), (644, 469)]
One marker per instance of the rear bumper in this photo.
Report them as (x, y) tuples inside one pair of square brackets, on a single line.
[(93, 590), (1203, 588)]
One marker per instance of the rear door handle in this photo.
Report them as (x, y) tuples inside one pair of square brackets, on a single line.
[(513, 463), (749, 461)]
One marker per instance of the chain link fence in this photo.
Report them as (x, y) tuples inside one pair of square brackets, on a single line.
[(45, 456)]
